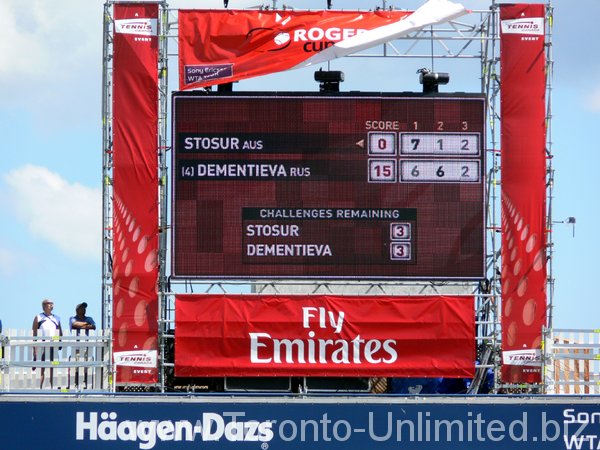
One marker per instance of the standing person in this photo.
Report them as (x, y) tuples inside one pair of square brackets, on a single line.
[(78, 323), (46, 324)]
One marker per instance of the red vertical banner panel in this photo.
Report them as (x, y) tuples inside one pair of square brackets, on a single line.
[(523, 128), (135, 184)]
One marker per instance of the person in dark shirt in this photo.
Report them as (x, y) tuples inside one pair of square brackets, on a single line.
[(80, 321), (81, 324)]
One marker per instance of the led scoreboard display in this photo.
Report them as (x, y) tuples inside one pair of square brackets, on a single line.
[(296, 185)]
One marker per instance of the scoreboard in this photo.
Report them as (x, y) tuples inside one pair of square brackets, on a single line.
[(344, 186)]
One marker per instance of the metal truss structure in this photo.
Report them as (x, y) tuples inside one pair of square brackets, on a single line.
[(473, 37)]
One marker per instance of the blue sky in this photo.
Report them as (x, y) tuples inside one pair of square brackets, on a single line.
[(51, 170)]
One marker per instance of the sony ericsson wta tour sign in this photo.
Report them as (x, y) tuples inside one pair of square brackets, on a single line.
[(253, 335)]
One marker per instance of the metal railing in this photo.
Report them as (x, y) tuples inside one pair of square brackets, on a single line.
[(67, 363), (571, 361)]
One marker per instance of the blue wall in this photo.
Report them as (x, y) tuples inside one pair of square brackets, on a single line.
[(151, 423)]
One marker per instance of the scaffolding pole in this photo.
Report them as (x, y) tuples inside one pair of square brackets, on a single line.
[(107, 166)]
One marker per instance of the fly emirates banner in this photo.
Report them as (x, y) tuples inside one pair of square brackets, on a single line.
[(314, 335)]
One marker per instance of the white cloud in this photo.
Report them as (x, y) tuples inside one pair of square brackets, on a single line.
[(66, 214), (52, 59), (44, 42), (593, 101)]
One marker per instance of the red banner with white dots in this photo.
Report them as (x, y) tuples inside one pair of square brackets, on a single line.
[(523, 78), (135, 183)]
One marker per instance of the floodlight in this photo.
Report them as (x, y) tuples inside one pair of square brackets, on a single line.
[(329, 80), (431, 80)]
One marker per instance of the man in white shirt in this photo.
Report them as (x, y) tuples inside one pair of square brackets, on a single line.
[(46, 324)]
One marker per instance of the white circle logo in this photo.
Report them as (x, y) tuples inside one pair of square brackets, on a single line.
[(282, 38)]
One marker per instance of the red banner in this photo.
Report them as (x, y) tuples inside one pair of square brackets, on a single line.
[(296, 335), (135, 183), (523, 129), (224, 46)]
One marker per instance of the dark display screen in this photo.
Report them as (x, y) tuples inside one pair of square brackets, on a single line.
[(333, 187)]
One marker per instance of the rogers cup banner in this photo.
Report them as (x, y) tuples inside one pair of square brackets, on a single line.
[(523, 127), (296, 335), (135, 183), (224, 46)]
